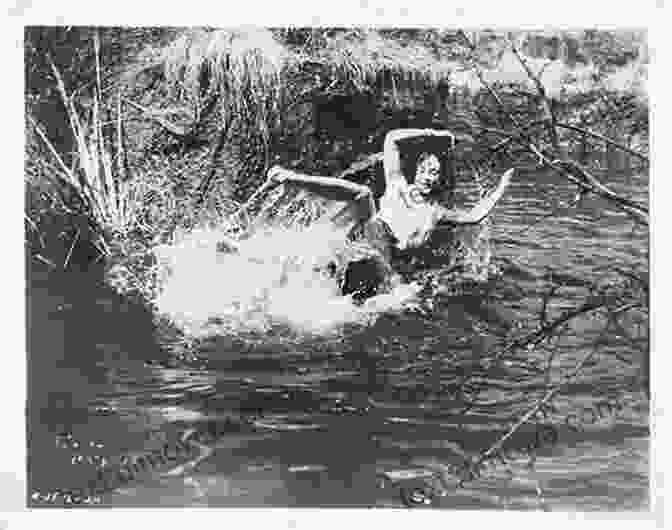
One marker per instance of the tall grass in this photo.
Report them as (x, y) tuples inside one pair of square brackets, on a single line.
[(242, 69), (98, 174), (257, 89), (362, 57)]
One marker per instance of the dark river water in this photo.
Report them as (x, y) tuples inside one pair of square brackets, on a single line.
[(359, 417)]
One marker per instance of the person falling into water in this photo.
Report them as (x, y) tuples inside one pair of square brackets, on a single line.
[(409, 210)]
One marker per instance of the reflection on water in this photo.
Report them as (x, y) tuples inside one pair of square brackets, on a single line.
[(356, 411)]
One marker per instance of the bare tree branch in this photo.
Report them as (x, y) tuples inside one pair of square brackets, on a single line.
[(604, 139), (550, 118), (570, 169)]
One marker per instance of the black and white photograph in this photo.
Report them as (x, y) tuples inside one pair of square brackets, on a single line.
[(325, 266)]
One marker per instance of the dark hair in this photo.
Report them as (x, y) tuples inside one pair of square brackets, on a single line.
[(410, 165)]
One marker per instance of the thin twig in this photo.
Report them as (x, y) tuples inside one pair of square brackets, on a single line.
[(72, 247), (122, 161), (585, 180), (566, 168), (604, 139), (487, 85), (545, 330), (66, 170), (512, 136), (550, 394), (548, 104), (46, 261), (35, 228)]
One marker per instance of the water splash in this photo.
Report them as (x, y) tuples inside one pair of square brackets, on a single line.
[(277, 278)]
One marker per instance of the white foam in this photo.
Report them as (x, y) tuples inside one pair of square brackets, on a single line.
[(278, 277)]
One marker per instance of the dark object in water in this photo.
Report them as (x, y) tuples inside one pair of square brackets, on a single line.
[(363, 279)]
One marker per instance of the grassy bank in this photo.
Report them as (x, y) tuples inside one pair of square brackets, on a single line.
[(136, 134)]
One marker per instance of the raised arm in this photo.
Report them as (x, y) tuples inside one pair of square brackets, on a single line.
[(392, 157), (328, 187), (481, 210)]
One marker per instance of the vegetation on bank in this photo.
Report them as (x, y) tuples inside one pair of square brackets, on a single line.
[(135, 135)]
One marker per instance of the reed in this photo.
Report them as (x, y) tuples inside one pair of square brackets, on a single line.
[(235, 100), (98, 176)]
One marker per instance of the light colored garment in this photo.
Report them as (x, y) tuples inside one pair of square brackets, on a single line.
[(406, 212)]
